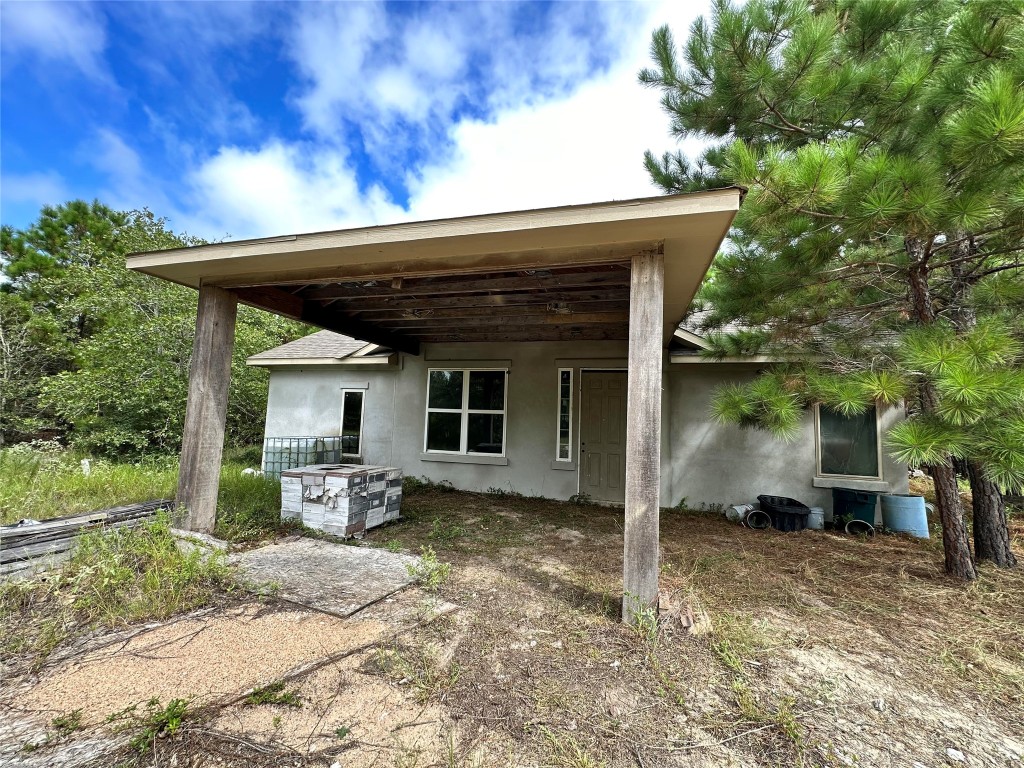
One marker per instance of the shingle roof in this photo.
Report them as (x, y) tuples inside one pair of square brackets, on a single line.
[(322, 344)]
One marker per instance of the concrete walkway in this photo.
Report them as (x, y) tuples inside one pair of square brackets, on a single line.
[(335, 578)]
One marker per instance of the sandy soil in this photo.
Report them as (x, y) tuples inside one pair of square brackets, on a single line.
[(202, 660)]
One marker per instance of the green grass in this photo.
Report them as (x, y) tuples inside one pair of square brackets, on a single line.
[(41, 484), (114, 578), (273, 694)]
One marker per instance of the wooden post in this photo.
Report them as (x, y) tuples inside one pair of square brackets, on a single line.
[(643, 436), (202, 443)]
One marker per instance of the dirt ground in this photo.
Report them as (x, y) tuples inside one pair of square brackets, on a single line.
[(804, 649)]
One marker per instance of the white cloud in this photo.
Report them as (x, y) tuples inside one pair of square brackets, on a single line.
[(56, 32), (558, 131), (281, 188), (47, 188)]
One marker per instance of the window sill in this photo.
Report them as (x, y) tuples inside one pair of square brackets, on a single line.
[(853, 483), (567, 466), (466, 458)]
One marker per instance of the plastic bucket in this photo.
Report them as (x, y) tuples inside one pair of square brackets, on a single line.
[(816, 519), (905, 513), (758, 519), (849, 504), (860, 528)]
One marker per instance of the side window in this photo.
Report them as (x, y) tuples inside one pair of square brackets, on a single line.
[(563, 444), (847, 445), (351, 422)]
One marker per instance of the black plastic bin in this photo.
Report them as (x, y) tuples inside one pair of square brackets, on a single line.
[(850, 504), (787, 514)]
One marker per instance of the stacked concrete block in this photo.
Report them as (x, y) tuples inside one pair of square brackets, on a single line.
[(291, 497), (393, 495), (341, 499)]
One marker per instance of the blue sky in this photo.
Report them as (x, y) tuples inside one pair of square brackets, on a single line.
[(243, 119)]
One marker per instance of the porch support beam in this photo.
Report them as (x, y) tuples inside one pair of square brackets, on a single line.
[(202, 443), (643, 436)]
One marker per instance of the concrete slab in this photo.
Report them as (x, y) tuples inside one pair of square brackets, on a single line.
[(336, 578)]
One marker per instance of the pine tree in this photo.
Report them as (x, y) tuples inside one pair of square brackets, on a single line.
[(882, 143)]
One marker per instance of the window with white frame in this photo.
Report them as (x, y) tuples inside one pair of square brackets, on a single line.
[(847, 445), (466, 411), (563, 444), (351, 422)]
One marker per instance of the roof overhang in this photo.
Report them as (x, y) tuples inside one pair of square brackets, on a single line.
[(390, 284)]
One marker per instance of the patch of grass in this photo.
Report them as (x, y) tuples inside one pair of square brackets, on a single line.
[(417, 667), (43, 481), (40, 481), (567, 752), (445, 533), (68, 723), (737, 639), (430, 572), (154, 722), (273, 694), (115, 577), (412, 485), (248, 506)]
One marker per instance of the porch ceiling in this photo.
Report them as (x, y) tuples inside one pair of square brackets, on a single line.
[(551, 274)]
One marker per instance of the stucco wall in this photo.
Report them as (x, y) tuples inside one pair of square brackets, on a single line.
[(702, 461), (723, 464)]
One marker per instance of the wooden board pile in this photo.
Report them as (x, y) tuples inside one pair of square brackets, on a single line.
[(30, 546), (341, 499)]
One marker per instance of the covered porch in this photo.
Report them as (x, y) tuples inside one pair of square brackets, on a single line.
[(620, 271)]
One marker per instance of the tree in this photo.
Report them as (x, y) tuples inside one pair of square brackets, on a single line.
[(120, 342), (882, 143)]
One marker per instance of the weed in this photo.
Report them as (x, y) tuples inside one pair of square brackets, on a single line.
[(67, 724), (502, 493), (155, 722), (273, 694), (393, 545), (430, 572), (411, 485), (419, 668), (115, 576), (445, 533), (276, 722), (581, 499), (645, 621), (342, 732), (567, 752)]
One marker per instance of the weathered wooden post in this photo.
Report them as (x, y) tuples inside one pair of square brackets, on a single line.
[(643, 436), (202, 443)]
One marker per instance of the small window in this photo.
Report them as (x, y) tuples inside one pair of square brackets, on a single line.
[(563, 444), (466, 411), (351, 422), (847, 445)]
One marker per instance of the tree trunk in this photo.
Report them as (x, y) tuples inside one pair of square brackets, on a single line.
[(991, 533), (955, 543)]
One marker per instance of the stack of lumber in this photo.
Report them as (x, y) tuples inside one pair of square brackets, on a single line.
[(341, 499), (29, 546)]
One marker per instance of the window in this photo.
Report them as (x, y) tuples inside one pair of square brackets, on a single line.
[(351, 421), (847, 445), (466, 411), (563, 444)]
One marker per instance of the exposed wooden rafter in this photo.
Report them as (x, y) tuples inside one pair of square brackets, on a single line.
[(289, 305)]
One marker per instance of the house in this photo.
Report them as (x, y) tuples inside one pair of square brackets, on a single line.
[(548, 419), (509, 337)]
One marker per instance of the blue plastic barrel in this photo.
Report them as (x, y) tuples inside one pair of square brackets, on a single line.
[(905, 513)]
